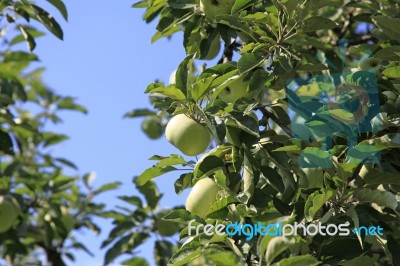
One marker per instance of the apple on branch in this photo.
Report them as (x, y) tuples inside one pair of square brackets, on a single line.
[(189, 136), (202, 196)]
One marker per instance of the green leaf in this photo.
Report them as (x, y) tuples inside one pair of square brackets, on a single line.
[(300, 261), (390, 26), (134, 200), (276, 246), (315, 202), (318, 23), (181, 216), (184, 181), (240, 5), (151, 173), (29, 39), (273, 178), (244, 122), (210, 162), (48, 21), (6, 144), (107, 187), (135, 262), (68, 103), (375, 177), (19, 56), (151, 193), (249, 61), (60, 7), (163, 251), (185, 255), (391, 53), (392, 72), (181, 76), (170, 91), (88, 179), (51, 138), (168, 161), (139, 113), (382, 198), (222, 257), (125, 244)]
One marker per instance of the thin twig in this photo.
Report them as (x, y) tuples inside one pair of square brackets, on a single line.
[(270, 115)]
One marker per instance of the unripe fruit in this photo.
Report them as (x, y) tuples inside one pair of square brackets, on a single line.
[(203, 195), (235, 90), (8, 214), (213, 8), (190, 137), (152, 127), (370, 64)]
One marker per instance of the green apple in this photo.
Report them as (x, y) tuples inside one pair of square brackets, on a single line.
[(152, 127), (370, 64), (165, 228), (213, 8), (235, 90), (8, 213), (172, 77), (190, 137), (202, 196)]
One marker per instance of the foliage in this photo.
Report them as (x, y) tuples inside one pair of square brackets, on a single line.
[(306, 160), (51, 204)]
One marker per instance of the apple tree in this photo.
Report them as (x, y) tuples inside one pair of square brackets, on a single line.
[(303, 110), (43, 202)]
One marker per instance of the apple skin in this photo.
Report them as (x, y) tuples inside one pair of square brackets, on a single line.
[(213, 8), (234, 91), (370, 64), (8, 214), (202, 196), (190, 137), (152, 127)]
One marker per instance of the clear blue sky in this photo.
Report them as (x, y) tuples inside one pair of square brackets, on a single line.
[(106, 61)]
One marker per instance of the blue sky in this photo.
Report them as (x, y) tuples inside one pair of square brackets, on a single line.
[(106, 61)]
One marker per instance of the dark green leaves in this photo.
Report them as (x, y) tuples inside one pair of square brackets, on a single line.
[(6, 144), (389, 25), (249, 61), (382, 198), (61, 7), (48, 21), (318, 23)]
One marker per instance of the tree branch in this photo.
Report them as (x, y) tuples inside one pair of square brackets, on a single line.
[(271, 116)]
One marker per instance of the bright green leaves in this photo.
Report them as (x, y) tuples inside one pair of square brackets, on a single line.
[(185, 255), (392, 72), (170, 91), (276, 246), (315, 202), (164, 165)]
